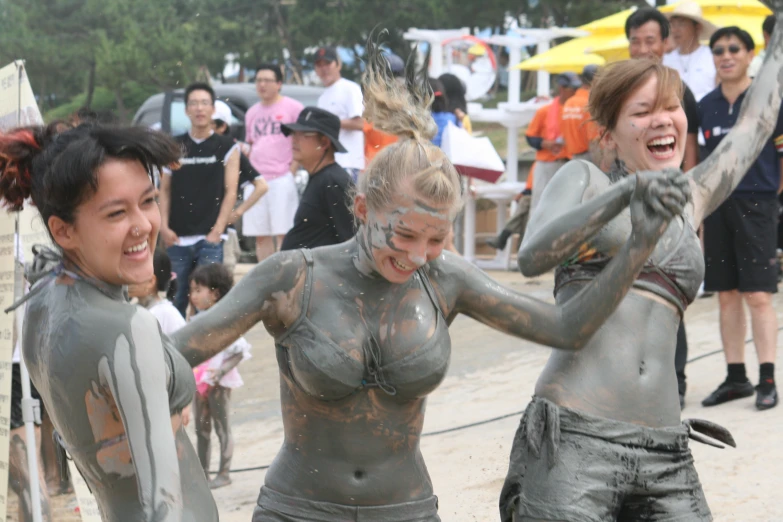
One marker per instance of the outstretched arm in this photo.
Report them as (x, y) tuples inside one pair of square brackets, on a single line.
[(716, 178), (267, 293), (136, 376), (571, 325), (563, 221)]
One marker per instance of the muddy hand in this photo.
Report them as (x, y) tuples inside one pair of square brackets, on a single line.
[(657, 198)]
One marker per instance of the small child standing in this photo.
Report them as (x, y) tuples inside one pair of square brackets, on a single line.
[(216, 377), (148, 294)]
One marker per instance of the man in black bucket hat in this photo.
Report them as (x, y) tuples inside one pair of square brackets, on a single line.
[(324, 215)]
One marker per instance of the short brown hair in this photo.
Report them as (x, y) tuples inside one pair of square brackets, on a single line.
[(615, 83)]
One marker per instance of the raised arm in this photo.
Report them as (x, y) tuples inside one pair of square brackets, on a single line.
[(563, 220), (570, 326), (136, 376), (716, 178), (270, 292)]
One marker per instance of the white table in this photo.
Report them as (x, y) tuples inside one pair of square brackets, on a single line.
[(502, 194)]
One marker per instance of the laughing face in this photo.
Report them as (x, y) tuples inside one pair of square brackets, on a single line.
[(732, 59), (113, 236), (650, 133), (396, 242)]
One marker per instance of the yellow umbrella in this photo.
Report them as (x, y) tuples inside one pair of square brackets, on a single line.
[(571, 56), (737, 7), (612, 24), (574, 54), (617, 49)]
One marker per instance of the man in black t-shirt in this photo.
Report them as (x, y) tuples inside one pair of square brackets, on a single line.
[(647, 30), (324, 215), (197, 199)]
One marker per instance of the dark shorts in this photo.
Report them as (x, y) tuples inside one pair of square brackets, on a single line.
[(276, 507), (740, 244), (568, 465), (17, 420)]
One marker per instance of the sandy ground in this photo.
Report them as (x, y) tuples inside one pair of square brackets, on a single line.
[(493, 375)]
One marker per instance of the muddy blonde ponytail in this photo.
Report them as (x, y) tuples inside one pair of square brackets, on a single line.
[(413, 160)]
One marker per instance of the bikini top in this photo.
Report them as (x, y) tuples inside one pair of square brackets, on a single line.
[(323, 369), (674, 271), (108, 305)]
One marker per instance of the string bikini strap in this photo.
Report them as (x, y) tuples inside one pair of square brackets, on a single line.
[(427, 283)]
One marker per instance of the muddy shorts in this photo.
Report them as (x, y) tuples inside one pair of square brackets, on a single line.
[(276, 507), (571, 466)]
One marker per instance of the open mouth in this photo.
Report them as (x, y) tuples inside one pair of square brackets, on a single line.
[(662, 148), (401, 266), (135, 250)]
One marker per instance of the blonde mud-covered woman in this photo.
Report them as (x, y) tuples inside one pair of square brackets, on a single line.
[(361, 328)]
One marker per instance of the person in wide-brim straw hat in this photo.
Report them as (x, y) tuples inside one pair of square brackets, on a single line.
[(690, 58), (689, 10)]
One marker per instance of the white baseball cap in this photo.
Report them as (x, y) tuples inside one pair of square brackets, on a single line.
[(222, 112)]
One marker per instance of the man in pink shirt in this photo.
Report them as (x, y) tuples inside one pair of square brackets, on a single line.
[(271, 155)]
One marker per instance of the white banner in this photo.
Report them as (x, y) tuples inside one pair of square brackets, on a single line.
[(7, 276), (19, 108), (17, 102)]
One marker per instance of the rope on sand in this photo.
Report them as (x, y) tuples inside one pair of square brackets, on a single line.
[(487, 421)]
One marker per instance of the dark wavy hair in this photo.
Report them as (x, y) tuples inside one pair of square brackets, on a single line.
[(215, 277), (454, 90), (59, 170)]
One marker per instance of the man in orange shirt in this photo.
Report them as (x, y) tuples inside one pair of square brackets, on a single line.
[(545, 135), (579, 130)]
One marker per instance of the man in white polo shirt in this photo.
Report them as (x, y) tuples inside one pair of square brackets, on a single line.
[(692, 59), (343, 98)]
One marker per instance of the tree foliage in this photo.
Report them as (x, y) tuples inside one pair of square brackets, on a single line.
[(85, 47)]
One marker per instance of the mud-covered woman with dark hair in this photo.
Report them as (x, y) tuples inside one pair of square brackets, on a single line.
[(602, 438), (110, 379), (361, 328)]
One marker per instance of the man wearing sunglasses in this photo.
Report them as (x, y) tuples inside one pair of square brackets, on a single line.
[(740, 237)]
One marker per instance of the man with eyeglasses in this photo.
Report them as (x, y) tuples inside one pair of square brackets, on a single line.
[(271, 155), (324, 215), (343, 98), (740, 237), (197, 199)]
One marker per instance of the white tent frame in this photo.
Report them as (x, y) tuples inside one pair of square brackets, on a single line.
[(513, 115)]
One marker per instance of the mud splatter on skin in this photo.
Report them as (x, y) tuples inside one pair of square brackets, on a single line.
[(330, 436), (585, 210), (118, 374)]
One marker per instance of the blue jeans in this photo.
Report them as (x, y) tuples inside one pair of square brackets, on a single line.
[(184, 259)]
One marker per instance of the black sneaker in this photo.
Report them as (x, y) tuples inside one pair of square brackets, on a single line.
[(766, 395), (729, 391)]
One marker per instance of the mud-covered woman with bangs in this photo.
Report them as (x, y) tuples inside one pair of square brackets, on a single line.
[(602, 439), (113, 384), (361, 328)]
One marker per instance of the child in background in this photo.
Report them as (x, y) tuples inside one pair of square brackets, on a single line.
[(454, 90), (216, 377), (148, 294), (440, 110)]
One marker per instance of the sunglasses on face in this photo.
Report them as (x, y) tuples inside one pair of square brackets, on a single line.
[(719, 50)]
